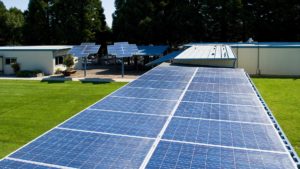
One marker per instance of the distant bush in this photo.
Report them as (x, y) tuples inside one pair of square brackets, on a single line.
[(69, 62), (58, 71), (16, 67), (28, 73)]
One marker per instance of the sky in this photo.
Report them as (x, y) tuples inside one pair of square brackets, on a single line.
[(108, 6)]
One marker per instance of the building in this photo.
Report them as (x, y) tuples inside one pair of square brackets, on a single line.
[(47, 59), (266, 58)]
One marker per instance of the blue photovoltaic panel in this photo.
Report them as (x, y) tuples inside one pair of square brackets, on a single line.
[(221, 88), (88, 43), (121, 43), (233, 134), (180, 155), (170, 72), (122, 49), (221, 74), (221, 80), (219, 70), (148, 93), (222, 98), (84, 50), (135, 105), (223, 112), (179, 78), (160, 85), (151, 50), (111, 50), (76, 50), (165, 58), (86, 150), (216, 122), (118, 123), (92, 49), (10, 164)]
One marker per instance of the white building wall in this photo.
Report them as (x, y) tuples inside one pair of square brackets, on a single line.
[(1, 63), (247, 59), (30, 60), (269, 61), (279, 61)]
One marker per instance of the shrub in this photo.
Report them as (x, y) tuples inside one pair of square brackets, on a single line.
[(69, 62), (16, 67), (28, 73), (58, 71)]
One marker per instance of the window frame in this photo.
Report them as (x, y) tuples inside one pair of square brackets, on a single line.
[(59, 60), (12, 60)]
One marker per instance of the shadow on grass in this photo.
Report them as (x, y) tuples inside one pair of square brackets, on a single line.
[(96, 81), (56, 79), (275, 77), (53, 81)]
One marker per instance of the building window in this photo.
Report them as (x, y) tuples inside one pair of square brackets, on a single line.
[(9, 61), (59, 60)]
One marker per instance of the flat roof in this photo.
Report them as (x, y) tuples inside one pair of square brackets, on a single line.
[(207, 52), (251, 45), (34, 48)]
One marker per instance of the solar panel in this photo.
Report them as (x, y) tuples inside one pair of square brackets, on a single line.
[(135, 92), (231, 134), (151, 50), (88, 43), (182, 155), (165, 58), (166, 119), (223, 112), (84, 50), (122, 123), (122, 49), (92, 49)]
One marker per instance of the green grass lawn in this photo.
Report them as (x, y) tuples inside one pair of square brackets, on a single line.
[(283, 98), (29, 108)]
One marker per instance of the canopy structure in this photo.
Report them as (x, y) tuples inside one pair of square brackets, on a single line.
[(164, 58), (152, 50), (122, 50), (83, 51)]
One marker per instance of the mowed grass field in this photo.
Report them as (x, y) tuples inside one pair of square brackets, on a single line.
[(283, 98), (30, 108)]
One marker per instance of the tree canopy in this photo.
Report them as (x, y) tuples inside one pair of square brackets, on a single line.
[(177, 21), (151, 22), (11, 25), (63, 21)]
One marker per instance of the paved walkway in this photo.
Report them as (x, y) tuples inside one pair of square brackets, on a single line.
[(97, 74)]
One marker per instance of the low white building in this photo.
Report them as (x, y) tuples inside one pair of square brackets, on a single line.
[(47, 59)]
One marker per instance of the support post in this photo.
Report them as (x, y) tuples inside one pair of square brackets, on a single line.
[(122, 67), (85, 60)]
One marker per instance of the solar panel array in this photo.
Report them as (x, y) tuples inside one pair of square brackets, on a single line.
[(165, 58), (122, 49), (152, 50), (171, 117), (84, 49)]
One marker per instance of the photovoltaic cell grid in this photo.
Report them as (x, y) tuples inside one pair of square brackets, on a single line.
[(84, 49), (216, 121)]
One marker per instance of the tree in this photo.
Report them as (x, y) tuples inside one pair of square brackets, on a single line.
[(37, 28), (14, 26), (63, 21), (2, 22)]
